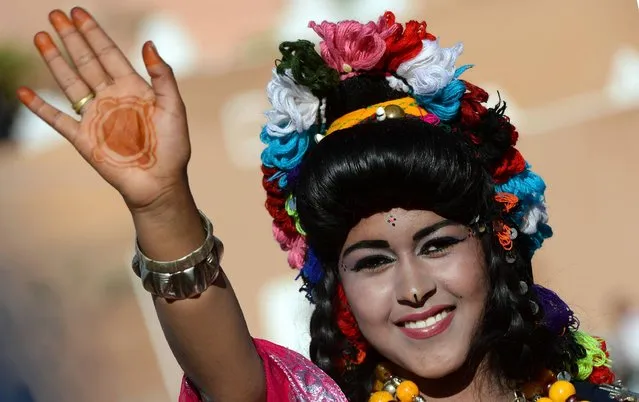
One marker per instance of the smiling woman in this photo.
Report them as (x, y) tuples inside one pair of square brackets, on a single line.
[(410, 225), (414, 219)]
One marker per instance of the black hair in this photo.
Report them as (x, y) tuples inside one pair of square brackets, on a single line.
[(407, 163)]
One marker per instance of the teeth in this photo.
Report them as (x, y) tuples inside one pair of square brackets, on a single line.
[(430, 321)]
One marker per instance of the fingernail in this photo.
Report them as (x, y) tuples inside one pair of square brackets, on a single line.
[(25, 95), (43, 42), (80, 15), (150, 54), (59, 20)]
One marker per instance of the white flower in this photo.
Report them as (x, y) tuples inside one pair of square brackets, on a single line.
[(431, 70), (294, 106), (535, 216)]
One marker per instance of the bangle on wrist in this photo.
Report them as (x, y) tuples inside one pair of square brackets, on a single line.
[(185, 277)]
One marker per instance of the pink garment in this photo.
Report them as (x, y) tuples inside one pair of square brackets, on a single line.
[(290, 377)]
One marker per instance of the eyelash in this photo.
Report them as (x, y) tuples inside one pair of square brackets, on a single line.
[(439, 246), (371, 263)]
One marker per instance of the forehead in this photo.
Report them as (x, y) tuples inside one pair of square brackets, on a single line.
[(392, 224)]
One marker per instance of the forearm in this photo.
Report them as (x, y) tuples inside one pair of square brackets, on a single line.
[(210, 340), (207, 334)]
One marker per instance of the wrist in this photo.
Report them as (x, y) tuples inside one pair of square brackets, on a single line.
[(169, 193), (173, 198), (170, 227)]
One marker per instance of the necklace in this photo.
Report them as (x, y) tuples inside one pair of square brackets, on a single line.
[(548, 388)]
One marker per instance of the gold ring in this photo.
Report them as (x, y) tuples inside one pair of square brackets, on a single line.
[(77, 106)]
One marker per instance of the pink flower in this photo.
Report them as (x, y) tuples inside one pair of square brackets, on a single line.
[(388, 27), (350, 46)]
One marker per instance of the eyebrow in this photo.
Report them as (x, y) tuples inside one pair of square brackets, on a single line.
[(366, 244), (432, 228), (383, 244)]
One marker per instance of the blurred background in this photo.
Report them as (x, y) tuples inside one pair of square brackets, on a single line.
[(75, 325)]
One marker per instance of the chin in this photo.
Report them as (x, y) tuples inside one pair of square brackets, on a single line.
[(435, 371), (434, 366)]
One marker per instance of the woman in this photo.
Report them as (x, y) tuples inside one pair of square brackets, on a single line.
[(395, 191)]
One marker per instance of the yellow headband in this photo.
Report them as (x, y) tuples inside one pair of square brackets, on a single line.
[(408, 105)]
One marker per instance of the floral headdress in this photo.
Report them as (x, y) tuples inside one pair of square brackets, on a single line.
[(412, 61)]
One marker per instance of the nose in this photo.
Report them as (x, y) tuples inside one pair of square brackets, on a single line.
[(414, 284)]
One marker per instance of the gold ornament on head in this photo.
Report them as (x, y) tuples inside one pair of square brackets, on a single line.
[(394, 112), (393, 109)]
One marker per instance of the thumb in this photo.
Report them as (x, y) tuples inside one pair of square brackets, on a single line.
[(162, 78)]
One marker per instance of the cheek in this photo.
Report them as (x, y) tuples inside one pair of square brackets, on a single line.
[(468, 280), (370, 299), (469, 283)]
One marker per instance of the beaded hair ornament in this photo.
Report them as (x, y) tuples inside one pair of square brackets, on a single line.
[(413, 62)]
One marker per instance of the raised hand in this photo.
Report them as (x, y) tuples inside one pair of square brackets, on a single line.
[(136, 137), (133, 134)]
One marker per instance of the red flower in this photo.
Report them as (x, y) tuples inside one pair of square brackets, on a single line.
[(601, 375), (472, 109), (275, 202), (402, 44), (347, 325), (513, 163)]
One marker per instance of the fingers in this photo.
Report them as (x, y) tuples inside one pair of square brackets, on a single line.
[(61, 122), (82, 55), (109, 55), (162, 79), (68, 80)]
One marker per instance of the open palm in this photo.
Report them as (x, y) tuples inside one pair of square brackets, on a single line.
[(135, 135)]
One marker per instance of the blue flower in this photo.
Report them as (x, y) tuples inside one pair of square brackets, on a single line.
[(285, 152), (446, 102)]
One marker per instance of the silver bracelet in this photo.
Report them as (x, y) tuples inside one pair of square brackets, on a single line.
[(180, 264), (185, 277)]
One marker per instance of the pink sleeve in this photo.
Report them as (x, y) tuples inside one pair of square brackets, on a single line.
[(188, 392), (289, 377)]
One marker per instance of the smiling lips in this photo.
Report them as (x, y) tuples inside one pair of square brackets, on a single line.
[(427, 324)]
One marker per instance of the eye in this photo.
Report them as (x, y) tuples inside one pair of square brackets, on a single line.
[(372, 262), (439, 246)]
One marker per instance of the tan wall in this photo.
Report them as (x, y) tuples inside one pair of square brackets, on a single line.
[(67, 308)]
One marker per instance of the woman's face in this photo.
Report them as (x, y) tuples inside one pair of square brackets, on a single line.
[(416, 284)]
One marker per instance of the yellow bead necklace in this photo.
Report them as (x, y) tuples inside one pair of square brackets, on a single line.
[(390, 388)]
